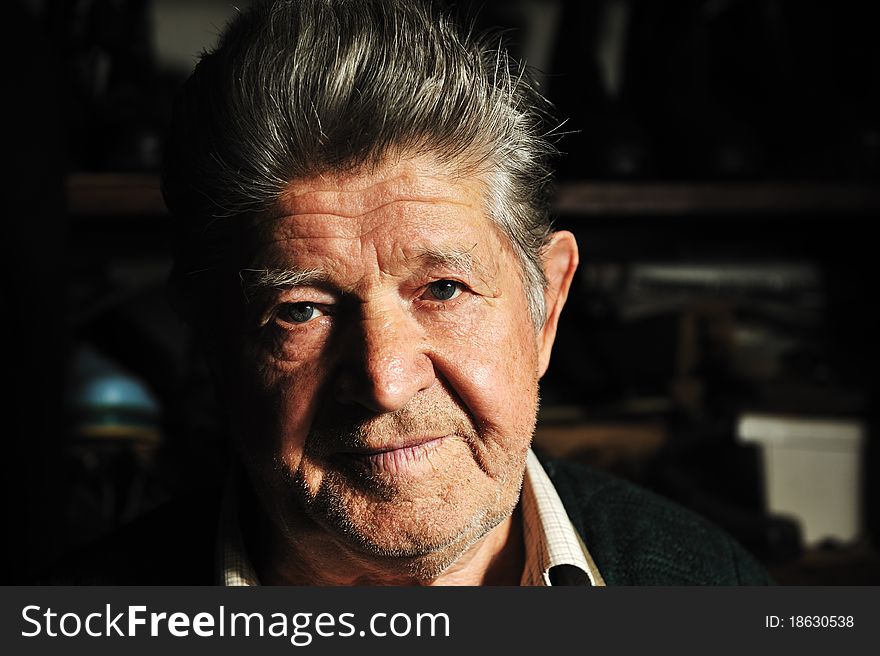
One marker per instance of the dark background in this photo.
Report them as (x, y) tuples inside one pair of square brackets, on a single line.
[(720, 171)]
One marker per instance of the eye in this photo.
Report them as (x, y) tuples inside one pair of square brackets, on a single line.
[(298, 312), (444, 290)]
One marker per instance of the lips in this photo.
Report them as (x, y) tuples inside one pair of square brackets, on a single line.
[(405, 457)]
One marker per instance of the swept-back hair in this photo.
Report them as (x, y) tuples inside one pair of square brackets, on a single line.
[(297, 88)]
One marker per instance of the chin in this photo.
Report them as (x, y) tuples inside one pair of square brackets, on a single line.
[(422, 557), (420, 534)]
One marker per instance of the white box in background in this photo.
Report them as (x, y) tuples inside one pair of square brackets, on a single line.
[(812, 470)]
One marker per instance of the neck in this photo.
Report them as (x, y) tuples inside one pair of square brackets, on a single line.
[(315, 558)]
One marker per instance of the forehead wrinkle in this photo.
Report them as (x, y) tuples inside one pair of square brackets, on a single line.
[(457, 255), (272, 229), (347, 211), (324, 195), (335, 210)]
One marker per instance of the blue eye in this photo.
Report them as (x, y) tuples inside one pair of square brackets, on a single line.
[(298, 312), (444, 290)]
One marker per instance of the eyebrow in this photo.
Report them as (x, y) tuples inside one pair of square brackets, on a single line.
[(255, 281), (453, 257)]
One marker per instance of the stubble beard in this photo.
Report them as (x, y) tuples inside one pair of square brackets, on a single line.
[(419, 528), (421, 556)]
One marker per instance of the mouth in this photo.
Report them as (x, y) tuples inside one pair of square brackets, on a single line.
[(405, 458)]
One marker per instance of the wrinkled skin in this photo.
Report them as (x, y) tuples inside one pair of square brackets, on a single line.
[(386, 403)]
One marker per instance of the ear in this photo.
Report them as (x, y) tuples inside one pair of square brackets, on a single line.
[(560, 258)]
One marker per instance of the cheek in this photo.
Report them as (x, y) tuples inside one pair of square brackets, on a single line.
[(492, 367), (274, 401)]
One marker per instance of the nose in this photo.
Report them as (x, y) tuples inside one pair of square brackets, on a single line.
[(385, 362)]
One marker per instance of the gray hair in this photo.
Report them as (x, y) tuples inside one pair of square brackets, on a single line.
[(296, 88)]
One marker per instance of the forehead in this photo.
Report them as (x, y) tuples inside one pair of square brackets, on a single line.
[(410, 206), (356, 194)]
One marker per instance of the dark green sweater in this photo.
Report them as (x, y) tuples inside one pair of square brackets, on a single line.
[(639, 538)]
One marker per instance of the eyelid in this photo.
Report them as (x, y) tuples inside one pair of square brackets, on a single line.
[(314, 295)]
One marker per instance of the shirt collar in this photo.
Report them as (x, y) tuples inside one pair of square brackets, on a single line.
[(234, 567), (554, 552)]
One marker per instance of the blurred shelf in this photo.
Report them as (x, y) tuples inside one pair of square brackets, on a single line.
[(611, 441), (117, 195), (134, 195), (622, 199)]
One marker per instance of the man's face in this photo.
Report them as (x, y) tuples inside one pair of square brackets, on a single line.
[(388, 397)]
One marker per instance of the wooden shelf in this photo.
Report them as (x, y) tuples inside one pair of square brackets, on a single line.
[(619, 199), (612, 441), (121, 195), (137, 195)]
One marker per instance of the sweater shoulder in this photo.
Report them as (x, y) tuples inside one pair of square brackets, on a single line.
[(637, 537)]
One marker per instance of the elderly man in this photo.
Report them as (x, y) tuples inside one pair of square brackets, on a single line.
[(366, 255)]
